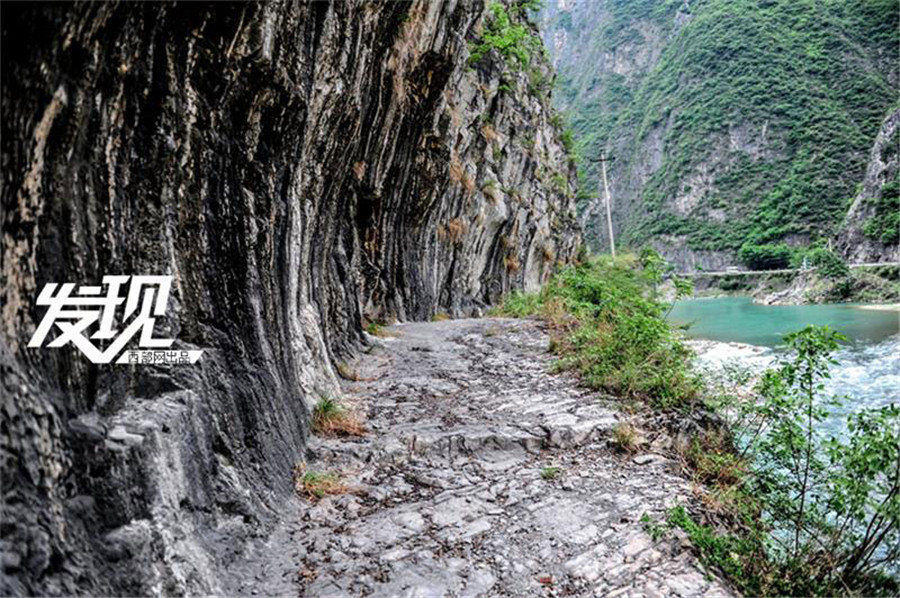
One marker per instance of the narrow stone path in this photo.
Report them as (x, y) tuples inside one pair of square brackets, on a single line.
[(449, 499)]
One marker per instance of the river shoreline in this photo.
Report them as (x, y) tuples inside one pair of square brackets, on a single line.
[(880, 307), (880, 287)]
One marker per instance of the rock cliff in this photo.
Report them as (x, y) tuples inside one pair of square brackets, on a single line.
[(871, 229), (603, 52), (299, 169)]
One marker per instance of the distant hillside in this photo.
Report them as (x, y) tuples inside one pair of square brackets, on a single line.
[(731, 122)]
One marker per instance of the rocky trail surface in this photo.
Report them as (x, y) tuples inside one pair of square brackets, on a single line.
[(448, 496)]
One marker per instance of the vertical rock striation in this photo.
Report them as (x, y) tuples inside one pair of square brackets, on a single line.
[(298, 169)]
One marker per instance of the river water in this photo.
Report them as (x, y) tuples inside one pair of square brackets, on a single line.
[(868, 369)]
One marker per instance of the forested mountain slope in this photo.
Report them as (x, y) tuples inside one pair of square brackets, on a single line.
[(731, 122)]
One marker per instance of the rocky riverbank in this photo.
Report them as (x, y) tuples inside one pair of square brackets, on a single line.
[(876, 285), (859, 286)]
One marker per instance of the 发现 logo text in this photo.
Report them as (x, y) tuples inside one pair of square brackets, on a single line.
[(75, 310)]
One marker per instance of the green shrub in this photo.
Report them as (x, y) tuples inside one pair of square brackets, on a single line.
[(740, 558), (567, 140), (616, 335), (550, 472), (330, 418), (558, 183), (828, 498), (512, 40), (830, 505), (316, 485), (829, 264), (520, 305), (884, 225)]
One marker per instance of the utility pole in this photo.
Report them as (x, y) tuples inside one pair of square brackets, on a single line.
[(612, 241)]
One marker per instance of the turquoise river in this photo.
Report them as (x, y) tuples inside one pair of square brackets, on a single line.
[(868, 368)]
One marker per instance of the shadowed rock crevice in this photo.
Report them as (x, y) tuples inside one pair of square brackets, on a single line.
[(298, 169)]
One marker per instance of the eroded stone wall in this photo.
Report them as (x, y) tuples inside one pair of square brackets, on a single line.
[(298, 169)]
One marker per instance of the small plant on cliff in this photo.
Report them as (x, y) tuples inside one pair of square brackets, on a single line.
[(490, 133), (511, 262), (548, 253), (456, 228), (330, 418), (513, 41), (378, 329), (540, 82), (567, 139), (558, 183)]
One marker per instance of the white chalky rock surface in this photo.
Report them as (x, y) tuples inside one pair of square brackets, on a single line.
[(449, 498)]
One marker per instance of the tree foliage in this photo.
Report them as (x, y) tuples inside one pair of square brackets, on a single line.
[(827, 515), (765, 257)]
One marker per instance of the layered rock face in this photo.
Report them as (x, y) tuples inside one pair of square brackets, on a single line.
[(298, 169)]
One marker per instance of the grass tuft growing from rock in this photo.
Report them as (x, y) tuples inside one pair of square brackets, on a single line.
[(550, 472), (625, 437), (346, 372), (315, 485), (330, 418), (378, 329)]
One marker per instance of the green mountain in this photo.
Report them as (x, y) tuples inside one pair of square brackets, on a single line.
[(731, 122)]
